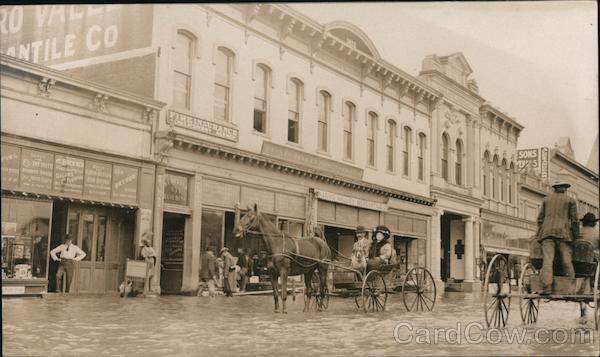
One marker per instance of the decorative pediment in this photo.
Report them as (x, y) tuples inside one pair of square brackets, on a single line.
[(353, 36), (458, 60)]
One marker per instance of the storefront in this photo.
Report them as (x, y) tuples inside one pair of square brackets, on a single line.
[(49, 191)]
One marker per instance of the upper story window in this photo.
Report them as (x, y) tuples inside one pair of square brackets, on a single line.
[(182, 74), (349, 115), (421, 163), (445, 153), (224, 64), (324, 106), (294, 100), (511, 176), (503, 174), (495, 164), (391, 145), (486, 164), (371, 136), (458, 163), (261, 85), (406, 151)]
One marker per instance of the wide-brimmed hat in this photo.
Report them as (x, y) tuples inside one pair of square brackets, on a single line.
[(361, 228), (224, 249), (383, 229), (589, 218), (560, 183)]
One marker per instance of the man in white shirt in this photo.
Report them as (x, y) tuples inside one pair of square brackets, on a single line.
[(69, 253)]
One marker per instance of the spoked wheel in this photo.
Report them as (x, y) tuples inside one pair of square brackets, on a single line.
[(316, 300), (497, 293), (418, 290), (374, 292), (529, 306)]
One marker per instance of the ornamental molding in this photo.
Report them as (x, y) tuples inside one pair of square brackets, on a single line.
[(45, 85)]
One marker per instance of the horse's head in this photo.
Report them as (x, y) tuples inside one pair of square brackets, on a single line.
[(247, 222)]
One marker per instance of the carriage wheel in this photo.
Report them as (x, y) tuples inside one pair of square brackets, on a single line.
[(315, 296), (497, 292), (529, 306), (374, 292), (597, 296), (418, 290), (358, 301)]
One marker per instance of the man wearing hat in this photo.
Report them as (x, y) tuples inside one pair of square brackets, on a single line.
[(381, 250), (558, 225), (589, 232), (360, 250), (229, 273)]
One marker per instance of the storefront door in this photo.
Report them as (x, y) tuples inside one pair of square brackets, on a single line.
[(101, 233), (173, 235)]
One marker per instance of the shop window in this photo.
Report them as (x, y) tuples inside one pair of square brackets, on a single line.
[(25, 234), (176, 188), (212, 230), (101, 238), (87, 234)]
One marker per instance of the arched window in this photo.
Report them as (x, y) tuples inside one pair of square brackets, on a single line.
[(324, 104), (371, 136), (294, 100), (495, 164), (406, 151), (349, 114), (503, 173), (182, 74), (445, 153), (458, 163), (224, 64), (421, 169), (486, 168), (261, 87), (511, 171), (391, 145)]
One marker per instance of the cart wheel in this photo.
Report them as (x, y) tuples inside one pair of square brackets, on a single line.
[(358, 301), (529, 306), (315, 296), (418, 290), (497, 292), (374, 292), (597, 296)]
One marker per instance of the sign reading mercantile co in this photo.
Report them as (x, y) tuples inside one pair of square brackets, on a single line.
[(202, 126), (47, 172)]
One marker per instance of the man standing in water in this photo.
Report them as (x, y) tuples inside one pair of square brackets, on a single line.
[(69, 254)]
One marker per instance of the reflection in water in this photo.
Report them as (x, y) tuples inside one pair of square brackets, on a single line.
[(176, 325)]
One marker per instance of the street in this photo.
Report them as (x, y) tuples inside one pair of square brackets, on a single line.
[(246, 325)]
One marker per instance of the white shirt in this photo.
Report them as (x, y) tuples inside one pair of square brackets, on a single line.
[(70, 251)]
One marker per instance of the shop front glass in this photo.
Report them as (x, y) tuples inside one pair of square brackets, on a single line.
[(25, 230)]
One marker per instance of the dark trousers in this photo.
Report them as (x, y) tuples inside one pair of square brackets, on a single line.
[(549, 247), (66, 266)]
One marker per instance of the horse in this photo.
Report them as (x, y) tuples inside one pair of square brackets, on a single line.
[(290, 256)]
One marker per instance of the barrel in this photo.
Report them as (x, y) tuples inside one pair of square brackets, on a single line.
[(583, 258), (536, 255)]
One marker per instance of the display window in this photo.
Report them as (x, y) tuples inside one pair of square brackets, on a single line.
[(25, 237)]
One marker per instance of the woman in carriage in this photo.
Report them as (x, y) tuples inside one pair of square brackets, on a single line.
[(381, 252)]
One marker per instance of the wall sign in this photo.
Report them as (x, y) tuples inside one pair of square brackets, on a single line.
[(56, 34), (10, 166), (527, 159), (544, 163), (202, 126), (176, 189), (68, 174), (350, 201), (98, 176), (36, 169), (125, 181)]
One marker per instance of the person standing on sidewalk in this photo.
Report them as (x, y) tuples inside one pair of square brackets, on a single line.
[(69, 254), (558, 227), (149, 255), (208, 266), (229, 281)]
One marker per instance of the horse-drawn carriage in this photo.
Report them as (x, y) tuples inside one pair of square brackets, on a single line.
[(498, 289), (311, 257)]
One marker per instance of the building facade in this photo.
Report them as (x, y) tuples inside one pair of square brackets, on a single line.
[(76, 159)]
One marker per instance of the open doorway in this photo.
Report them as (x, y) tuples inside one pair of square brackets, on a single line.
[(173, 236)]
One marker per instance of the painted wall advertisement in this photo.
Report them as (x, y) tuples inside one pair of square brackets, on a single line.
[(56, 34), (528, 159), (47, 172)]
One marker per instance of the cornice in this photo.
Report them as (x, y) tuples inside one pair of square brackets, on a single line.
[(581, 168), (487, 107), (532, 189), (463, 89), (455, 195), (185, 142)]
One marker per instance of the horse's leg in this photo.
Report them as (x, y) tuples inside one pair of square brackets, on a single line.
[(274, 284), (283, 275), (307, 290), (322, 284)]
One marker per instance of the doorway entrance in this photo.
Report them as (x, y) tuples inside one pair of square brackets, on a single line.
[(105, 235), (173, 236)]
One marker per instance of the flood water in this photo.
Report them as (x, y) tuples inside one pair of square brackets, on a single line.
[(246, 325)]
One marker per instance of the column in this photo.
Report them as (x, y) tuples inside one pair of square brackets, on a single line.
[(436, 242), (476, 245), (469, 261), (191, 260), (158, 225)]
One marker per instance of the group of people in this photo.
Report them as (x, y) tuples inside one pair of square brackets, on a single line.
[(558, 228), (369, 253), (227, 269)]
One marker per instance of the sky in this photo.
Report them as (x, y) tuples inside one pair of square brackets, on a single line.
[(536, 61)]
